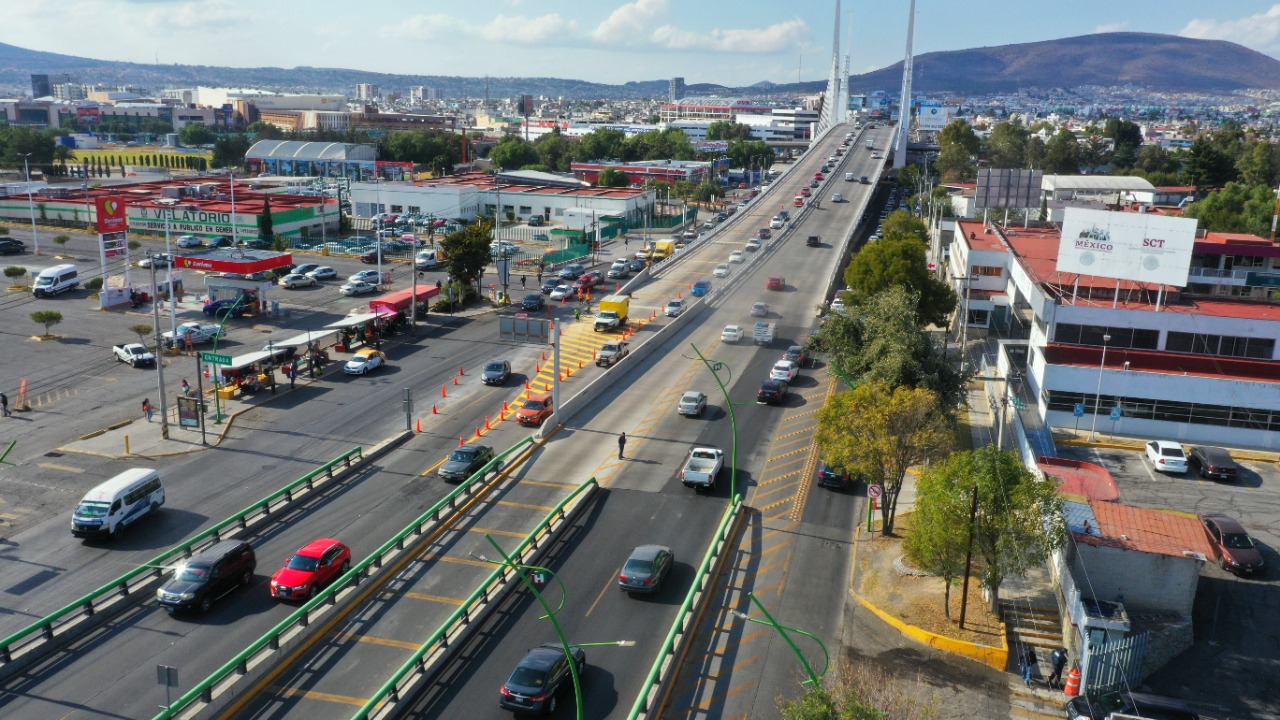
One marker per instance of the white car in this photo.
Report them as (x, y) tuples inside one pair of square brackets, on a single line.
[(357, 287), (837, 305), (1167, 456), (293, 280), (784, 370), (160, 260), (561, 292), (674, 308), (736, 256), (368, 276), (692, 403), (760, 309), (731, 334), (324, 272), (189, 241), (721, 271), (641, 254), (364, 361), (752, 245), (775, 223)]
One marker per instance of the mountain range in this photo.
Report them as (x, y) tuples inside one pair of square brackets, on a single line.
[(1161, 63)]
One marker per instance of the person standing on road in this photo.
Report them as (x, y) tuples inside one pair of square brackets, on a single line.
[(293, 372), (1028, 665), (1059, 661), (186, 387), (622, 444), (146, 408), (522, 282), (4, 405)]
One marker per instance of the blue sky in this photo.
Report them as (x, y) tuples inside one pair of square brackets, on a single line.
[(722, 41)]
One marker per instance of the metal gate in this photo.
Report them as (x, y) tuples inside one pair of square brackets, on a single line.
[(1114, 665)]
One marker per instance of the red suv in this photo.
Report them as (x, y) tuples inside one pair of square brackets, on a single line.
[(316, 565)]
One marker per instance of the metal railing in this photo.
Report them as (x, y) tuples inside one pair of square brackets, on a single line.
[(701, 582), (127, 586), (392, 690), (298, 621)]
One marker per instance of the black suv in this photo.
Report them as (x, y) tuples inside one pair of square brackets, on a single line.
[(211, 574), (10, 246), (536, 681), (814, 241)]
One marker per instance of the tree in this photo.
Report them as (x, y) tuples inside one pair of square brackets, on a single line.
[(1236, 208), (512, 152), (266, 224), (728, 130), (13, 272), (61, 240), (1206, 166), (1126, 137), (1256, 165), (1062, 154), (229, 151), (193, 134), (554, 151), (1037, 153), (142, 331), (1019, 521), (466, 252), (602, 144), (938, 538), (880, 432), (960, 133), (264, 131), (610, 177), (1094, 153), (880, 340), (1153, 159), (955, 164), (47, 318), (1007, 146), (900, 261)]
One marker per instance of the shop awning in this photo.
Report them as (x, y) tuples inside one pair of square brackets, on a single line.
[(402, 299), (303, 340), (352, 321)]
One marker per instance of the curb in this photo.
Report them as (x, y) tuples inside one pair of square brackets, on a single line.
[(993, 657)]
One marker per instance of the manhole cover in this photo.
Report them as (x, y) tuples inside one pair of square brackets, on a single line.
[(833, 545), (52, 453)]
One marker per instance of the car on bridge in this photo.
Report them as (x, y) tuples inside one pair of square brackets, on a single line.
[(313, 567), (535, 685), (465, 462)]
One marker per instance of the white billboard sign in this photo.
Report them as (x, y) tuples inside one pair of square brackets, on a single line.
[(933, 117), (1127, 246)]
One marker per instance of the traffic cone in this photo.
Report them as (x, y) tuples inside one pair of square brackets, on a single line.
[(455, 379), (526, 384), (442, 391), (434, 411), (486, 423), (579, 364), (593, 354), (503, 416), (462, 371), (546, 387), (544, 356), (1072, 687), (477, 431), (460, 443), (537, 367), (504, 404), (418, 426)]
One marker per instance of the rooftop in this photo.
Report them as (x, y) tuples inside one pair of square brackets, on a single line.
[(1080, 479), (301, 150), (1115, 525), (1097, 182)]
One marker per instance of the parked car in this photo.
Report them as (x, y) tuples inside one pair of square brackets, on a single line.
[(1213, 462), (731, 334), (674, 308), (465, 462), (324, 272), (254, 244), (364, 361), (784, 370), (228, 307), (313, 567), (189, 241), (305, 268), (533, 302), (208, 576), (497, 371), (369, 276), (357, 287), (645, 569), (295, 280), (1167, 456), (772, 392), (160, 260), (692, 403), (1232, 546), (1129, 704), (535, 685), (796, 354), (10, 246)]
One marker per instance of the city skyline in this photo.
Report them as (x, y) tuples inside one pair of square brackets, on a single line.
[(611, 42)]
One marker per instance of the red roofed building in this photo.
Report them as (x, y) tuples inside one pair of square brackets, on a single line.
[(1198, 363)]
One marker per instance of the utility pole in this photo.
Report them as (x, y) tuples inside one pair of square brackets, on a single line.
[(155, 319), (35, 236), (968, 557)]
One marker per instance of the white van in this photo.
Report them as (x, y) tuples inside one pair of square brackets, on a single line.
[(57, 279), (848, 177), (117, 503)]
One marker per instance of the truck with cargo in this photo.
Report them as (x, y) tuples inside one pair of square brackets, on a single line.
[(612, 313), (702, 468), (611, 353), (662, 249), (763, 332)]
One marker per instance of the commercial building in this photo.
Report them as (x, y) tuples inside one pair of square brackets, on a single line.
[(709, 108), (297, 158), (676, 89), (367, 92), (642, 171), (1195, 360)]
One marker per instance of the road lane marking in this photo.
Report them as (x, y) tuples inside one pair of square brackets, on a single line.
[(55, 466), (706, 704), (491, 531), (760, 495), (783, 476), (385, 642), (459, 561), (543, 483), (425, 596), (526, 506), (603, 590), (324, 696)]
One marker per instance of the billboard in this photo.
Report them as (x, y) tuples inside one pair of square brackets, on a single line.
[(1005, 188), (1127, 246), (933, 117), (111, 217)]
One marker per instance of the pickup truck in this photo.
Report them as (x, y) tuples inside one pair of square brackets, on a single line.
[(136, 354), (702, 468), (611, 353), (199, 332), (762, 333), (612, 313)]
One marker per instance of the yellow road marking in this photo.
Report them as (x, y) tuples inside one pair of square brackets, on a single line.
[(770, 491), (54, 466), (386, 642), (459, 561), (490, 531), (526, 506), (783, 476), (425, 596), (603, 590), (705, 704), (326, 697)]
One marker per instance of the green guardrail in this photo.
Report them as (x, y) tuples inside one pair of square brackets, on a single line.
[(203, 691), (390, 689), (669, 644), (156, 566)]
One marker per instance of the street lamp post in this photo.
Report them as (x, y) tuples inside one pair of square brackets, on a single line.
[(31, 207), (1097, 396), (814, 679), (155, 319), (715, 367), (964, 319)]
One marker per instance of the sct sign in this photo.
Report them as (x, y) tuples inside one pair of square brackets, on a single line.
[(111, 217), (1127, 246)]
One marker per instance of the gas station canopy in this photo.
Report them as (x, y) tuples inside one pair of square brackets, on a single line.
[(233, 260)]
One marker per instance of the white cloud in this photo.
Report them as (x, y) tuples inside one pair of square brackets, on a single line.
[(630, 23), (1113, 27), (509, 29), (1260, 32), (775, 38), (195, 15)]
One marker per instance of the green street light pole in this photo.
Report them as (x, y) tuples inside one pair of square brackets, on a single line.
[(782, 630), (217, 405), (564, 642), (714, 367)]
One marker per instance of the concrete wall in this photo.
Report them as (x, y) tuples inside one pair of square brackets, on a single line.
[(1145, 581)]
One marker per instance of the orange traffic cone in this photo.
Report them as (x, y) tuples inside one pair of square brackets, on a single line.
[(442, 391), (477, 431), (455, 379), (434, 411), (460, 443), (504, 404), (486, 423), (462, 371), (418, 426), (1072, 687)]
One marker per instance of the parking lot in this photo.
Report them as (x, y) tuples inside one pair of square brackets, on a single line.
[(1233, 662)]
